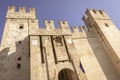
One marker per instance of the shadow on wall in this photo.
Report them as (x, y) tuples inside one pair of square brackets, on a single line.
[(102, 58), (15, 65)]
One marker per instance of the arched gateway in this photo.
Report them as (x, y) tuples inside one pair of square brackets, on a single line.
[(67, 74)]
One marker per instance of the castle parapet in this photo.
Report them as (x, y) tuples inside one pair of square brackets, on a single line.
[(11, 9), (92, 14), (83, 28), (98, 14), (22, 9), (49, 24), (75, 29), (22, 13), (63, 24)]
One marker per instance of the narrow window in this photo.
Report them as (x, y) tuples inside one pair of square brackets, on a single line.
[(106, 25), (21, 26), (18, 66)]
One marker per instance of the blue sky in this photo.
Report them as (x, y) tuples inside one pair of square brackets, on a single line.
[(70, 10)]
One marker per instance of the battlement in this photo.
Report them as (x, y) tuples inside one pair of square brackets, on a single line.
[(11, 9), (22, 9), (63, 29), (75, 29), (21, 13), (78, 29), (97, 14), (54, 53), (63, 24), (49, 24), (92, 15)]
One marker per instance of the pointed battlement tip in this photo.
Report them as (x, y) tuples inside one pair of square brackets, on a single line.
[(22, 13), (49, 24), (83, 28), (84, 17), (32, 9), (49, 21), (11, 8), (63, 24), (22, 9), (96, 14), (88, 9), (75, 29), (93, 10)]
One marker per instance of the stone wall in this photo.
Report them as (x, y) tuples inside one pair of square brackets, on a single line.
[(28, 52)]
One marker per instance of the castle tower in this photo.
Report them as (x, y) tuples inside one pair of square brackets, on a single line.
[(28, 52), (99, 22), (14, 57)]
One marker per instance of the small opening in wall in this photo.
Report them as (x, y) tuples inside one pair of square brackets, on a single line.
[(19, 42), (106, 25), (19, 58), (18, 66), (21, 26)]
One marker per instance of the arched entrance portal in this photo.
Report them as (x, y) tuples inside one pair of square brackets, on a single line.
[(66, 74)]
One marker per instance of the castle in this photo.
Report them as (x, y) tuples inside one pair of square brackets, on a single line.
[(28, 52)]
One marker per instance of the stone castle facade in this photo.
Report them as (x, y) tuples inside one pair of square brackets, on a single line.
[(28, 52)]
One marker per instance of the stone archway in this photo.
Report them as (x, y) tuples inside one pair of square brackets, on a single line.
[(66, 74)]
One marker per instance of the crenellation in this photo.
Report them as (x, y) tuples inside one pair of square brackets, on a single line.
[(22, 13), (22, 9), (75, 29), (33, 24), (103, 27), (95, 11), (49, 24), (11, 9), (97, 14), (87, 22), (33, 53), (83, 28), (32, 10), (63, 24)]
